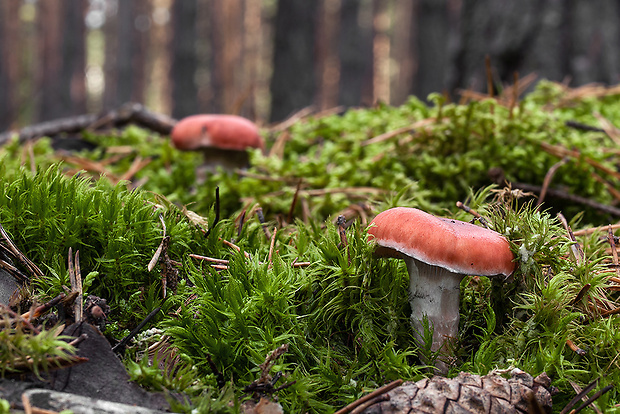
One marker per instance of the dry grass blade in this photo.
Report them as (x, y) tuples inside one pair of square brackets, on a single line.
[(560, 151), (155, 257), (390, 134), (581, 294), (614, 251), (290, 121), (548, 178), (581, 394), (585, 232), (32, 268), (97, 167), (575, 247), (75, 277), (289, 217), (610, 129), (137, 165), (610, 187), (271, 246)]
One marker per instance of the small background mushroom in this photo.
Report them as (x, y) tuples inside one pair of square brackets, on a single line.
[(223, 139)]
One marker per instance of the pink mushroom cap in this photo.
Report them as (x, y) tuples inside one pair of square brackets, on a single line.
[(460, 247), (226, 132)]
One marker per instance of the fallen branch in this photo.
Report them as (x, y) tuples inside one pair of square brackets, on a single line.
[(614, 211), (129, 113)]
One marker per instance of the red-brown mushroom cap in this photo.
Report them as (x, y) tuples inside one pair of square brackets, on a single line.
[(455, 245), (228, 132)]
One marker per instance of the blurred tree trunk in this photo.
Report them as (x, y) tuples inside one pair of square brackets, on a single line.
[(253, 43), (594, 37), (430, 17), (62, 55), (328, 60), (73, 76), (227, 41), (204, 56), (9, 67), (49, 23), (293, 82), (142, 33), (355, 49), (110, 72), (402, 52), (127, 42), (5, 116), (184, 58), (381, 51), (123, 69), (502, 29), (557, 39)]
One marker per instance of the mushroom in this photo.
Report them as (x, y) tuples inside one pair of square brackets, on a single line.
[(223, 139), (439, 252)]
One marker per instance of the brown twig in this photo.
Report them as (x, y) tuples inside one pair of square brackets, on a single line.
[(302, 113), (609, 128), (271, 246), (610, 187), (17, 254), (379, 398), (270, 360), (379, 391), (235, 247), (614, 251), (590, 401), (575, 348), (582, 127), (40, 310), (614, 211), (127, 113), (138, 164), (560, 151), (261, 219), (23, 319), (585, 232), (581, 394), (390, 134), (289, 218), (241, 222), (575, 247), (547, 179), (474, 213), (581, 294), (489, 73), (210, 259), (75, 277)]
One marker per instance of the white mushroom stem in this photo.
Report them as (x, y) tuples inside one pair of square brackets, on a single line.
[(434, 292)]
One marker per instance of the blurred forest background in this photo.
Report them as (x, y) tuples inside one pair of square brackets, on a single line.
[(266, 59)]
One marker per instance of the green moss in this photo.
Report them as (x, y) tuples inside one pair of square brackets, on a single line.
[(345, 316)]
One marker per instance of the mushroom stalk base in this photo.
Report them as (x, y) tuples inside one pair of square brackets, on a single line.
[(434, 293)]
